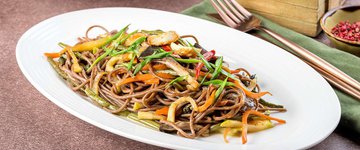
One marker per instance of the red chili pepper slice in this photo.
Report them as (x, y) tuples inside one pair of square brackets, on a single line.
[(166, 48), (208, 55)]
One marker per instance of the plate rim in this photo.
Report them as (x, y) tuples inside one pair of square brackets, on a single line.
[(123, 134)]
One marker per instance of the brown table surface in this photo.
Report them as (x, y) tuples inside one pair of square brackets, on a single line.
[(28, 120)]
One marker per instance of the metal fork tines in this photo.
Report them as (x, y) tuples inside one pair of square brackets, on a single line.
[(236, 16), (232, 13)]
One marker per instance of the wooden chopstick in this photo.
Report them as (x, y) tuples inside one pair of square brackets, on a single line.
[(333, 80)]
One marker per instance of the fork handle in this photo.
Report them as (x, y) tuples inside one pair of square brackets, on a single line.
[(312, 58)]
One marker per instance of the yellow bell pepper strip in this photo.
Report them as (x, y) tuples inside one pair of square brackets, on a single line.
[(245, 125), (150, 116), (146, 78), (75, 66), (231, 124), (89, 46), (149, 123), (162, 111), (115, 42), (138, 105), (172, 108), (208, 102)]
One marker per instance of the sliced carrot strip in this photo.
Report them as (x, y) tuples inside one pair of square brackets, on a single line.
[(245, 125), (156, 67), (55, 55), (208, 102), (152, 81), (162, 111), (249, 93), (165, 75), (146, 78), (226, 131)]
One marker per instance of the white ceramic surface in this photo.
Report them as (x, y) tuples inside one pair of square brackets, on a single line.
[(313, 108)]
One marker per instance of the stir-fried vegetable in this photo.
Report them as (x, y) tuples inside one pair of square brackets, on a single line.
[(146, 78), (218, 65), (207, 56), (150, 116), (159, 79), (245, 125), (178, 79), (172, 108), (218, 82), (162, 111), (148, 123), (208, 102), (221, 88)]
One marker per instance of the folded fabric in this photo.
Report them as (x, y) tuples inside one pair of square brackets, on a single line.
[(350, 64)]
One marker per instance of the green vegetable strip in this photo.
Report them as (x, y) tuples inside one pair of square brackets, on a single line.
[(226, 73), (218, 82), (187, 61), (97, 98), (131, 62), (221, 88), (218, 65), (108, 51), (206, 63), (56, 68), (132, 47), (152, 32), (158, 55), (182, 42), (127, 36), (141, 65), (97, 60), (202, 81), (268, 104), (148, 123), (178, 79), (117, 35)]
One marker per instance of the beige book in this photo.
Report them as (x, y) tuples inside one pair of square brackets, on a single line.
[(310, 29), (312, 4), (334, 3), (275, 7)]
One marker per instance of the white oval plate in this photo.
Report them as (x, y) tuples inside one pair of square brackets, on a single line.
[(313, 108)]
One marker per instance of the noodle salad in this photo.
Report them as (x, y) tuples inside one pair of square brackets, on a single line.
[(160, 79)]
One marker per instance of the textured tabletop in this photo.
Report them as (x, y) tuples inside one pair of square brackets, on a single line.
[(28, 120)]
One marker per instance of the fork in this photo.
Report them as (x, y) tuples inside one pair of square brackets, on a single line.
[(236, 16)]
